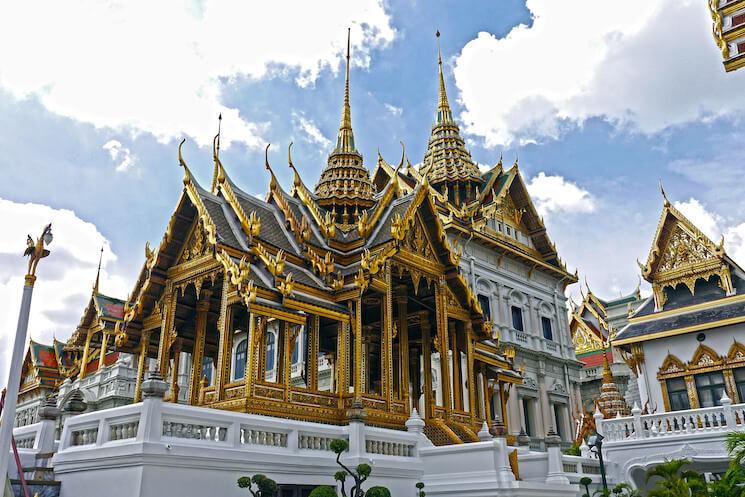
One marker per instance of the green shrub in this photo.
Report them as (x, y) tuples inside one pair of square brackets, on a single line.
[(323, 491), (573, 450), (378, 492), (265, 487)]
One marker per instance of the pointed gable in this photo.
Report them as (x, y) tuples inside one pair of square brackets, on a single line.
[(682, 255)]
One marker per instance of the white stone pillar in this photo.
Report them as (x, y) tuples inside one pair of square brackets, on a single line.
[(555, 465), (638, 427), (729, 414), (151, 420), (598, 417)]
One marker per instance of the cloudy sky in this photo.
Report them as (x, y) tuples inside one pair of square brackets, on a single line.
[(600, 99)]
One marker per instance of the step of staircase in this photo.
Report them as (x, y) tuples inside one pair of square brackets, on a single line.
[(37, 488)]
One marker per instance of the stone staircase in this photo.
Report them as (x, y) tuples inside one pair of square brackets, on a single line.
[(40, 479)]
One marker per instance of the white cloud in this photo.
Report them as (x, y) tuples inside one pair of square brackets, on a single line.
[(160, 67), (555, 194), (710, 223), (643, 65), (714, 226), (122, 155), (65, 278), (310, 130), (396, 111)]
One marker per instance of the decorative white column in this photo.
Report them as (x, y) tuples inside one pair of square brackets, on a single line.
[(638, 427), (729, 414), (555, 465), (598, 417), (14, 378)]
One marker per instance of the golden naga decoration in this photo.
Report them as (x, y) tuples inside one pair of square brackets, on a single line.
[(276, 264), (321, 265), (149, 257), (398, 229), (326, 222), (286, 286), (361, 281), (240, 276), (362, 224), (35, 252), (509, 352), (254, 224), (337, 283)]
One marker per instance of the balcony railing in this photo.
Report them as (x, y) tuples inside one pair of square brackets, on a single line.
[(726, 417)]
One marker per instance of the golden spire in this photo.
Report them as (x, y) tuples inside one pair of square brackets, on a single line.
[(345, 139), (607, 374), (345, 185), (98, 274), (444, 114)]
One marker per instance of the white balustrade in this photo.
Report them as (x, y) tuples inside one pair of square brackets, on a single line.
[(26, 441), (270, 438), (123, 430), (314, 442), (84, 436), (176, 424), (722, 418)]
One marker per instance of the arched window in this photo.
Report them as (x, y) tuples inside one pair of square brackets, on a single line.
[(269, 351), (240, 359)]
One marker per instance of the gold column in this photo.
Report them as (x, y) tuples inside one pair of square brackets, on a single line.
[(403, 341), (731, 387), (357, 330), (288, 340), (692, 392), (253, 352), (313, 338), (426, 366), (471, 380), (197, 355), (104, 346), (86, 352), (442, 332), (342, 359), (144, 343), (175, 389), (388, 343), (457, 378), (166, 327), (225, 340)]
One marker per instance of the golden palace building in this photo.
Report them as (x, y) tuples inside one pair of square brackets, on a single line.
[(312, 301)]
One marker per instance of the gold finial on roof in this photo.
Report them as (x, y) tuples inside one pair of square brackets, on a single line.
[(662, 191), (98, 274), (444, 114), (345, 139)]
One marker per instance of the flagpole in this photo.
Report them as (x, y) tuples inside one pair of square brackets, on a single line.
[(35, 252)]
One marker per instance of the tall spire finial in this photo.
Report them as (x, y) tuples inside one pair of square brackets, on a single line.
[(98, 274), (219, 127), (444, 114), (345, 139)]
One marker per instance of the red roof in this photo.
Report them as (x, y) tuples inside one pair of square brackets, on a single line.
[(110, 359), (592, 360)]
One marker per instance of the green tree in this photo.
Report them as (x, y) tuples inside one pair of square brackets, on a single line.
[(731, 484), (323, 491), (360, 474), (265, 487), (735, 444), (586, 481), (625, 490), (573, 450), (672, 480)]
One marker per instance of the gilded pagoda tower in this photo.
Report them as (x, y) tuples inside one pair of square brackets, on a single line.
[(447, 163), (345, 187)]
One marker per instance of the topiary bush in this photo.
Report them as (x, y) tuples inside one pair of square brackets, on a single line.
[(420, 489), (360, 474), (378, 492), (265, 487), (323, 491)]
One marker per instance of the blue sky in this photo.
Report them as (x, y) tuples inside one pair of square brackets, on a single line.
[(600, 100)]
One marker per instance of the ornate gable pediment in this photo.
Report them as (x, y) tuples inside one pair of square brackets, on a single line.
[(195, 246), (417, 242), (585, 340), (672, 365), (682, 254), (682, 250)]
